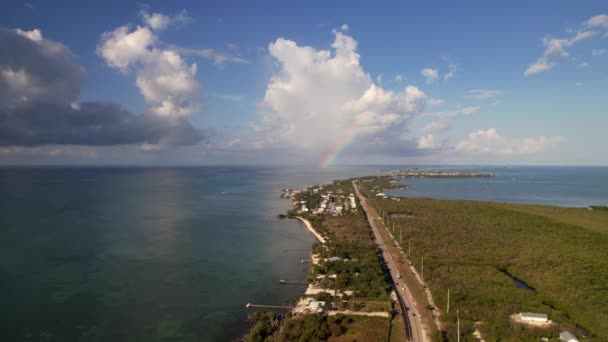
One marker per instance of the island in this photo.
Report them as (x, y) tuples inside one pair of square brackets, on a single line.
[(411, 173), (388, 268)]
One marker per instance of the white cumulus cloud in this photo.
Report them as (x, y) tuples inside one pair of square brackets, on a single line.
[(452, 68), (321, 97), (426, 142), (599, 21), (159, 21), (490, 142), (165, 80), (430, 74)]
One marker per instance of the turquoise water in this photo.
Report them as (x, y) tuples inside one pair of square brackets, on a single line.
[(172, 254), (561, 186)]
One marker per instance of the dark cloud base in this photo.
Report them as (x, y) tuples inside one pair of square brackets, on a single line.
[(39, 83), (92, 124)]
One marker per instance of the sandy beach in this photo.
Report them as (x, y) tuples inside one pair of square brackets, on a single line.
[(311, 229)]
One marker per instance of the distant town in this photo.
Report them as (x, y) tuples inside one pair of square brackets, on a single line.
[(410, 173), (322, 201)]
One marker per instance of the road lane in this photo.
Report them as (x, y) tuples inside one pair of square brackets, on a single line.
[(413, 322)]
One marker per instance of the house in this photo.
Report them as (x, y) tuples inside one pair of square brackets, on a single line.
[(353, 204), (533, 317), (567, 336), (315, 306), (334, 259), (304, 208)]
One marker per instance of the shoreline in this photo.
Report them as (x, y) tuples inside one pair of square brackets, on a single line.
[(311, 229)]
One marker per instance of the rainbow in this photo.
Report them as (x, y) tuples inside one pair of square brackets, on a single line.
[(346, 137)]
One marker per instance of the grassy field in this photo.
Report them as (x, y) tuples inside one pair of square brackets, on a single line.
[(364, 329), (472, 247)]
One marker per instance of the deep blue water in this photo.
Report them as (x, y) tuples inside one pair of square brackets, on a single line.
[(139, 254)]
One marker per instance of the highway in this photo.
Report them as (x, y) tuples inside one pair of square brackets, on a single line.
[(413, 323)]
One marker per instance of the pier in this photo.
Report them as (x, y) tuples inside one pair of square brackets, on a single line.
[(287, 282), (263, 306)]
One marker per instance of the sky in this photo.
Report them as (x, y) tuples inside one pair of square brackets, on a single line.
[(317, 83)]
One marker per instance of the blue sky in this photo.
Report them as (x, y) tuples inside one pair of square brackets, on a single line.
[(506, 83)]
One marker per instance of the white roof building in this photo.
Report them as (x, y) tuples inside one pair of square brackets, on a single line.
[(567, 336), (353, 204), (315, 306), (533, 317)]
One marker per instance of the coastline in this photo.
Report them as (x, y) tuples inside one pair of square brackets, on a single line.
[(311, 229)]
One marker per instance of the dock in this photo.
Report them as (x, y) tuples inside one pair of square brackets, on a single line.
[(263, 306), (287, 282)]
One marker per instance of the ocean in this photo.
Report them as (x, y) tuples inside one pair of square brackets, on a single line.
[(561, 186), (175, 253)]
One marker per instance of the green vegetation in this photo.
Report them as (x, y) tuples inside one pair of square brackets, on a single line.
[(265, 324), (268, 327), (350, 237), (359, 269), (599, 207), (471, 247), (596, 219)]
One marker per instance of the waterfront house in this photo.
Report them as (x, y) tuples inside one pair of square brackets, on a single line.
[(315, 306)]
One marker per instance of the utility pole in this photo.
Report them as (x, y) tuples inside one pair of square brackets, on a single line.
[(409, 248), (458, 320), (393, 227), (423, 268), (448, 309), (400, 236)]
